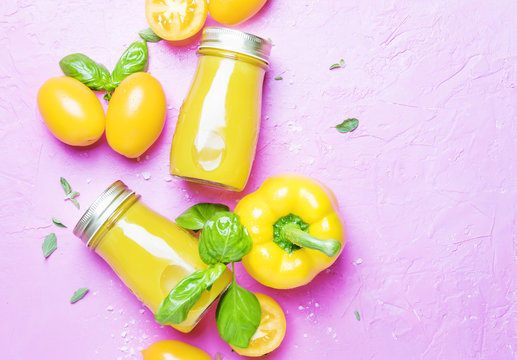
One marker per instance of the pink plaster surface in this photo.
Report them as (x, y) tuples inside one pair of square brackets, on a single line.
[(427, 184)]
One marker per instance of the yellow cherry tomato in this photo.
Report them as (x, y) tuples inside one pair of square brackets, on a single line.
[(271, 330), (136, 115), (71, 111), (232, 12), (176, 19), (174, 350)]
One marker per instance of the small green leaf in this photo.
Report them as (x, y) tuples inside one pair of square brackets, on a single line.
[(224, 239), (49, 245), (73, 195), (78, 295), (341, 64), (87, 71), (238, 315), (357, 315), (133, 60), (348, 125), (195, 217), (65, 185), (76, 203), (175, 307), (149, 35), (278, 78), (58, 223)]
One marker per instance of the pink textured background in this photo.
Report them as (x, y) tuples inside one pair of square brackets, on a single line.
[(427, 183)]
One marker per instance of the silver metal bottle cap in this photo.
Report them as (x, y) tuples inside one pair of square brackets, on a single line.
[(101, 210), (237, 41)]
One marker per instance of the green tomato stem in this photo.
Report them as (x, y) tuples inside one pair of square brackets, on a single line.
[(294, 234)]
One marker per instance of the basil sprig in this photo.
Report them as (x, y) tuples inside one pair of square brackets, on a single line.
[(195, 217), (223, 240), (238, 315), (175, 307), (97, 77)]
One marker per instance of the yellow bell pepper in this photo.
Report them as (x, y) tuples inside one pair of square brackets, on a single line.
[(295, 228)]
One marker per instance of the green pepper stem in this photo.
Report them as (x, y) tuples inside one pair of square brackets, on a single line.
[(294, 234)]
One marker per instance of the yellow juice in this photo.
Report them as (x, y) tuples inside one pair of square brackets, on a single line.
[(151, 255), (218, 125)]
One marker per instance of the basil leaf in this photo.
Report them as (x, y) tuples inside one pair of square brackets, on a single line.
[(149, 35), (279, 78), (87, 71), (78, 295), (195, 217), (238, 315), (49, 245), (58, 223), (347, 125), (76, 203), (224, 239), (175, 307), (133, 60), (65, 185), (357, 315)]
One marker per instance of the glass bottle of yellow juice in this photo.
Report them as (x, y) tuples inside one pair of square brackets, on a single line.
[(217, 130), (149, 253)]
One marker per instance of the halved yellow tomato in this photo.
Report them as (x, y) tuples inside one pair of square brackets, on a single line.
[(174, 350), (176, 20), (271, 330)]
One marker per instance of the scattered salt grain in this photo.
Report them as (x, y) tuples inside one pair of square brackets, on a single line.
[(359, 261), (146, 175), (317, 304), (305, 335), (145, 336), (132, 321), (88, 180), (300, 307), (141, 311), (109, 308), (123, 348), (168, 178), (329, 329), (123, 334)]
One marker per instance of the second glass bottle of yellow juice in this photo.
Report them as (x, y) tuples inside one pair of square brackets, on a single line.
[(217, 130)]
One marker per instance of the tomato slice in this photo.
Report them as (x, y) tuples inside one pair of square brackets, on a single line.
[(176, 19), (271, 330)]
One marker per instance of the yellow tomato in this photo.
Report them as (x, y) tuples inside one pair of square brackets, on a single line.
[(174, 350), (176, 19), (71, 111), (136, 115), (271, 330), (232, 12)]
